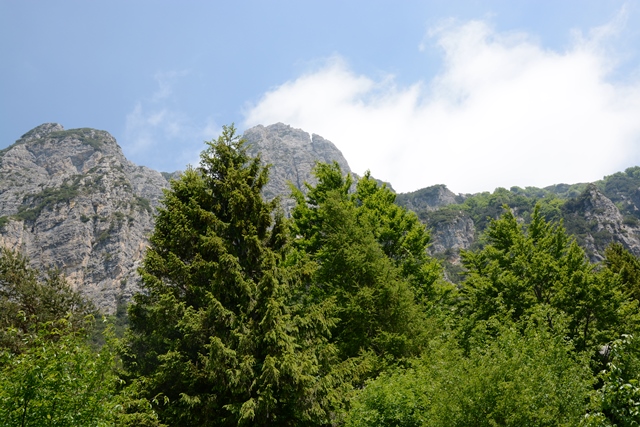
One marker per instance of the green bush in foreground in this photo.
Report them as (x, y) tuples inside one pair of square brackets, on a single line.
[(58, 380), (529, 378)]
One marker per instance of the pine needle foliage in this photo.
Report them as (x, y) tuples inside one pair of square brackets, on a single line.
[(215, 337)]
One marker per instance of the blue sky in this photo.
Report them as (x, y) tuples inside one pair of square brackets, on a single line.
[(472, 94)]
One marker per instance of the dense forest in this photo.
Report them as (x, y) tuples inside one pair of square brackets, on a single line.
[(335, 316)]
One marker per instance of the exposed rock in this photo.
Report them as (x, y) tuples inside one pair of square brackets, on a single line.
[(428, 199), (292, 154), (591, 217), (597, 221), (448, 237), (71, 200)]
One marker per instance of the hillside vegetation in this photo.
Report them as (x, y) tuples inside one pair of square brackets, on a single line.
[(596, 214), (336, 316)]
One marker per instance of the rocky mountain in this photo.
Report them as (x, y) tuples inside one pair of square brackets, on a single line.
[(69, 199), (428, 199), (292, 154), (596, 214)]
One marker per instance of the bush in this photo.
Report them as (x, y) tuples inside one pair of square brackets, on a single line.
[(529, 378)]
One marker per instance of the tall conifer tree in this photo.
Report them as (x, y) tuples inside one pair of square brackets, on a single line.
[(215, 338)]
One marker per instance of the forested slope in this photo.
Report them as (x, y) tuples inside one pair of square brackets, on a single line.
[(335, 316), (596, 214)]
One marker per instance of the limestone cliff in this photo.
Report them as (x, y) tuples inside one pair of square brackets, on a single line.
[(70, 199), (596, 221), (595, 214), (428, 199), (292, 154)]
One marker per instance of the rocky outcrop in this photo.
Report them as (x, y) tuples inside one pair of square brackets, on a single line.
[(428, 199), (596, 222), (69, 199), (451, 230), (292, 154), (449, 236), (590, 216)]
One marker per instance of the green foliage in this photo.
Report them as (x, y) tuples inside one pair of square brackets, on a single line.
[(525, 267), (84, 135), (370, 260), (399, 232), (28, 302), (142, 204), (618, 400), (444, 215), (620, 261), (558, 202), (482, 208), (577, 224), (47, 198), (4, 220), (216, 338), (566, 191), (526, 376), (424, 198), (50, 372), (106, 234), (621, 188), (57, 380)]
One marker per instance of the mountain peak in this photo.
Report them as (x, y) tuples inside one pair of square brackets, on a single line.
[(42, 130), (292, 154), (70, 199)]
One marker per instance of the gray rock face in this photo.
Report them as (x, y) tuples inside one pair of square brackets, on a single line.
[(602, 223), (428, 199), (449, 237), (292, 154), (591, 217), (71, 200)]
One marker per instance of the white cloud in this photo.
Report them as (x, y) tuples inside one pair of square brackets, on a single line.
[(165, 80), (162, 137), (503, 111)]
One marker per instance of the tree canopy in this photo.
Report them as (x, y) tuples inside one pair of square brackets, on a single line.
[(371, 259), (50, 373), (28, 302), (336, 316), (216, 338), (523, 267)]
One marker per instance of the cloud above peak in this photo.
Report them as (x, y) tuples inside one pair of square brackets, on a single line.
[(503, 110)]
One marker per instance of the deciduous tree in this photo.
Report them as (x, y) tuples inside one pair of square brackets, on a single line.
[(371, 260), (523, 267)]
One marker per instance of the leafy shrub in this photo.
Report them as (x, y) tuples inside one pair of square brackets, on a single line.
[(529, 378)]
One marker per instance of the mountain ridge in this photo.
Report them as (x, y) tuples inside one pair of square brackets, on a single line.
[(70, 199)]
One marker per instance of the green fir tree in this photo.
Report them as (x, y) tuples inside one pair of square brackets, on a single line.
[(215, 337)]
